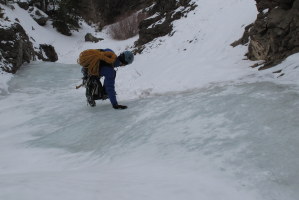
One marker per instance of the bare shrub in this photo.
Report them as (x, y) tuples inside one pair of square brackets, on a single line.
[(127, 27)]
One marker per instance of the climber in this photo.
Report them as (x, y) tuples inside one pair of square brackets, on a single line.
[(97, 63)]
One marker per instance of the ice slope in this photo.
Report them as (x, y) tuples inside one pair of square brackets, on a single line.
[(227, 141), (201, 124)]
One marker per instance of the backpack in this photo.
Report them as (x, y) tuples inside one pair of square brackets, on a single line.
[(91, 59)]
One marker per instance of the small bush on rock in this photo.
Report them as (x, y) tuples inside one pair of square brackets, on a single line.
[(126, 27)]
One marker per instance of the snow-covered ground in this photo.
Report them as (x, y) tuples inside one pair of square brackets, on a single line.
[(201, 123)]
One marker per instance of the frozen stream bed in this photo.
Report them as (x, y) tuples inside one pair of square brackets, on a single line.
[(227, 141)]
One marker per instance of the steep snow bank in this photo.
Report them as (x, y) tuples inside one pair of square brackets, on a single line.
[(199, 52)]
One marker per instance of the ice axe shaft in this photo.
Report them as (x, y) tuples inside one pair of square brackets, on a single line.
[(78, 86)]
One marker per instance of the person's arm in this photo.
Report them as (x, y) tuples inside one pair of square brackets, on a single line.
[(109, 83)]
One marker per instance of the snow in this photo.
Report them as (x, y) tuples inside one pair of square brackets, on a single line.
[(201, 124), (5, 78)]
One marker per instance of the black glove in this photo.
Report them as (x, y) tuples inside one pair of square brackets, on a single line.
[(119, 107)]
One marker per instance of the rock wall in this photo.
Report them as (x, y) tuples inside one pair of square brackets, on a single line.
[(15, 48), (161, 25), (275, 33), (47, 53)]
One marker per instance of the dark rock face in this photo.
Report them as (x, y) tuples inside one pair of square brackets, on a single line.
[(39, 16), (162, 24), (270, 4), (62, 28), (47, 53), (15, 48), (24, 5), (244, 39), (147, 33), (275, 33), (90, 38)]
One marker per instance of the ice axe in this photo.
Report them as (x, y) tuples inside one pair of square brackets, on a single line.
[(78, 86)]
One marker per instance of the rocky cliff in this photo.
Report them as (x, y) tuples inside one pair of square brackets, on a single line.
[(275, 33), (16, 46), (166, 12)]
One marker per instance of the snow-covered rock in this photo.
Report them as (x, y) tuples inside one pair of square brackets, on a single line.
[(274, 34), (17, 44), (15, 48), (38, 15)]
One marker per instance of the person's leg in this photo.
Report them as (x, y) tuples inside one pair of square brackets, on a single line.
[(89, 91)]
